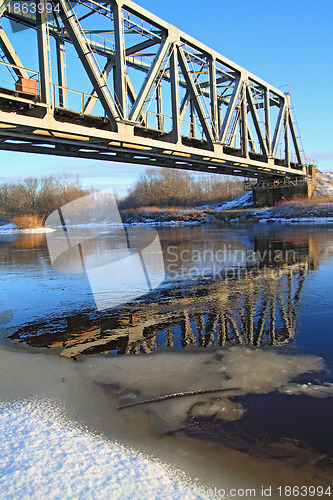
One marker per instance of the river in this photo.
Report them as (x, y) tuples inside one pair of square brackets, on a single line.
[(247, 309)]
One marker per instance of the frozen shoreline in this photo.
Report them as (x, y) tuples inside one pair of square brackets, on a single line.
[(298, 220), (13, 229), (247, 216), (66, 439), (45, 456)]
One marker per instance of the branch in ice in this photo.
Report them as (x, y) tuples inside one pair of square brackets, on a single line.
[(175, 395)]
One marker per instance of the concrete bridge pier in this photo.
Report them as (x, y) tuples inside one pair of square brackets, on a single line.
[(270, 192)]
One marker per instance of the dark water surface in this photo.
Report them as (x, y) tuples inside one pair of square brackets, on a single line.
[(266, 287)]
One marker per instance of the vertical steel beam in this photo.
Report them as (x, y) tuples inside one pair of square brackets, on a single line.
[(43, 52), (267, 121), (120, 67), (193, 125), (174, 77), (244, 127), (286, 138), (219, 116), (159, 108), (61, 66), (213, 96)]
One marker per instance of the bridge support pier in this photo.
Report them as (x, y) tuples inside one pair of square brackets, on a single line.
[(269, 193)]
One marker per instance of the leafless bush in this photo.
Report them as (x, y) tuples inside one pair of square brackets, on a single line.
[(28, 221), (39, 196)]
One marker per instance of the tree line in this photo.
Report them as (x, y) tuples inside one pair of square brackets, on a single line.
[(164, 187), (161, 187)]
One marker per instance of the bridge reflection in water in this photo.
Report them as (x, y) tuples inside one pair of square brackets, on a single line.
[(257, 305)]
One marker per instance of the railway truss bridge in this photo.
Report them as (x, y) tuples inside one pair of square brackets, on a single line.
[(111, 81)]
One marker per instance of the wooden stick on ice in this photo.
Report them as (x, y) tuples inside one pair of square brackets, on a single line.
[(175, 395)]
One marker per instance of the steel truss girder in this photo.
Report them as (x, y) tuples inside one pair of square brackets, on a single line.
[(215, 95)]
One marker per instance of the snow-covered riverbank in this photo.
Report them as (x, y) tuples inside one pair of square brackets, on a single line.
[(43, 456), (62, 436), (13, 229)]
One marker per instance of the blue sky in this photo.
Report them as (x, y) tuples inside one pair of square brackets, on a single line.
[(285, 42)]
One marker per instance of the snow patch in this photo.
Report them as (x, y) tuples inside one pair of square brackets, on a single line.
[(8, 228), (44, 457), (324, 182), (12, 228), (38, 230), (243, 201)]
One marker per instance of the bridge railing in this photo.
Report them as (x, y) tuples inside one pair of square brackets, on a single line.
[(280, 154), (74, 100)]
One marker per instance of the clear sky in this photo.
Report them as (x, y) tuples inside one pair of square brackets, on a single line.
[(284, 42)]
